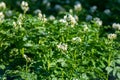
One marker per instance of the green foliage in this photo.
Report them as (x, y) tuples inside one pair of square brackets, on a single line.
[(37, 48), (30, 51)]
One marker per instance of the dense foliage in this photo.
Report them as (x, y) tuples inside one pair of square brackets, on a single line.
[(69, 47)]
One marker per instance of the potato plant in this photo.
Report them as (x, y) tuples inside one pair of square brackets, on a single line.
[(57, 48)]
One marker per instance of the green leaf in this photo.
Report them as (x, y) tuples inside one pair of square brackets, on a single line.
[(109, 69), (117, 61), (2, 66), (118, 75)]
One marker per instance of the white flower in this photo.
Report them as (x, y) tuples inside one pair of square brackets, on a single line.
[(37, 11), (88, 17), (1, 17), (71, 11), (85, 27), (2, 5), (51, 18), (107, 11), (69, 20), (72, 20), (116, 26), (24, 6), (76, 39), (9, 13), (77, 7), (20, 17), (42, 17), (62, 21), (98, 21), (76, 17), (14, 24), (62, 46), (112, 36), (93, 9)]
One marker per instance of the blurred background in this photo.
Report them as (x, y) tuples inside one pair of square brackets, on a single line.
[(107, 10)]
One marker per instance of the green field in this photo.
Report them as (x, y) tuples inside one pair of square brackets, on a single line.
[(68, 42)]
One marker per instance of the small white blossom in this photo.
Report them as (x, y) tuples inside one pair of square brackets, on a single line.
[(77, 7), (14, 24), (47, 3), (75, 79), (9, 13), (62, 46), (2, 5), (72, 20), (112, 36), (20, 17), (88, 17), (93, 9), (26, 57), (76, 39), (116, 26), (76, 17), (19, 23), (62, 21), (37, 11), (107, 11), (51, 18), (24, 6), (85, 27), (71, 11), (1, 17), (42, 17), (69, 20), (98, 21)]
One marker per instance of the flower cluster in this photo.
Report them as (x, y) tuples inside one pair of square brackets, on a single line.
[(42, 17), (88, 17), (9, 13), (116, 26), (51, 18), (85, 27), (93, 9), (69, 20), (18, 23), (112, 36), (62, 46), (98, 21), (77, 7), (37, 11), (24, 6), (107, 11)]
